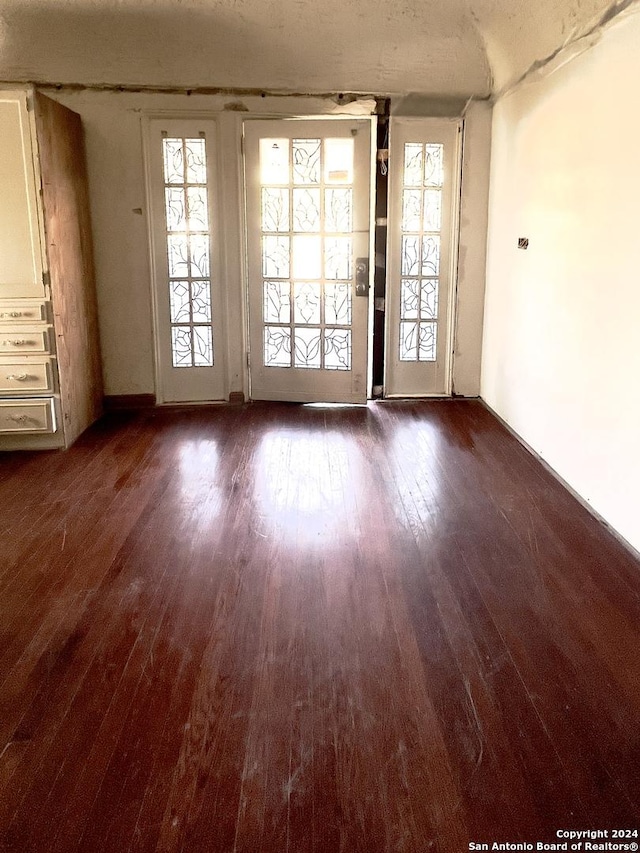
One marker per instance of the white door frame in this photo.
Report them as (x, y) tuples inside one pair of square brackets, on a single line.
[(422, 129)]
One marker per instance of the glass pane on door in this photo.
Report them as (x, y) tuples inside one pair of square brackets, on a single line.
[(188, 239), (420, 265), (307, 251)]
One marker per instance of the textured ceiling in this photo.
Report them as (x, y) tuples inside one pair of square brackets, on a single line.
[(519, 34), (445, 48)]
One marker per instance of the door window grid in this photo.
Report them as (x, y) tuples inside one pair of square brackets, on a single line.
[(306, 224), (188, 239), (421, 227)]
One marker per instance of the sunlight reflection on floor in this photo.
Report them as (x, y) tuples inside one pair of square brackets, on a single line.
[(307, 482)]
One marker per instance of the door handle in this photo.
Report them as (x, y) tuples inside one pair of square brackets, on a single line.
[(362, 276)]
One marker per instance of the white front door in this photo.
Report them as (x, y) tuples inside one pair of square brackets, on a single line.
[(187, 285), (422, 239), (308, 190)]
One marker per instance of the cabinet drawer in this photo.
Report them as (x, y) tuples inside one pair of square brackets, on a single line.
[(24, 339), (21, 311), (27, 416), (22, 376)]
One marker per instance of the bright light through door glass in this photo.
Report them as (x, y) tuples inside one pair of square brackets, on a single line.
[(421, 225), (306, 256), (307, 248), (274, 161), (338, 161)]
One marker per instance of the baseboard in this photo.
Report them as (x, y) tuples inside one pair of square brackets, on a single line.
[(560, 479), (114, 402)]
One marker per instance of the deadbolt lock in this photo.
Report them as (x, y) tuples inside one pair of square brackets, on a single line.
[(362, 276)]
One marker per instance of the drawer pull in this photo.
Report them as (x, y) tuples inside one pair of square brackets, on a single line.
[(20, 377), (18, 342), (13, 314), (36, 416)]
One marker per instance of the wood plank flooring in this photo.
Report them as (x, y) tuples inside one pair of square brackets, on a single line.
[(285, 628)]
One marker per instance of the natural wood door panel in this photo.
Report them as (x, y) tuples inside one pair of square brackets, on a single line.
[(65, 199)]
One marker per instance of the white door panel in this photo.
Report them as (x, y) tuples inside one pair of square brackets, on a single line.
[(308, 229), (188, 299), (422, 242)]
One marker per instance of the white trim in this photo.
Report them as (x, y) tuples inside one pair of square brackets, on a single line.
[(455, 254), (151, 245), (373, 192)]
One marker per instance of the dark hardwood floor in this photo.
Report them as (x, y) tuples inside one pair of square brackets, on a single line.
[(282, 628)]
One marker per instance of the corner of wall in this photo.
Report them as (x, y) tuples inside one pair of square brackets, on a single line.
[(474, 203), (560, 357)]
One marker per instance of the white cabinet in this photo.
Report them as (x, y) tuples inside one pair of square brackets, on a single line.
[(50, 377), (20, 243)]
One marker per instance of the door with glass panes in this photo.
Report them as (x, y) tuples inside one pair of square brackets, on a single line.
[(424, 165), (188, 299), (308, 245)]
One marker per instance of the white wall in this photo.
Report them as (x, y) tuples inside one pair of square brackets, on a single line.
[(561, 361), (112, 122), (472, 249)]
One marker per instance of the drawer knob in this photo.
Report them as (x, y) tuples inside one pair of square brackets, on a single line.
[(18, 342), (19, 377), (12, 314), (18, 419)]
